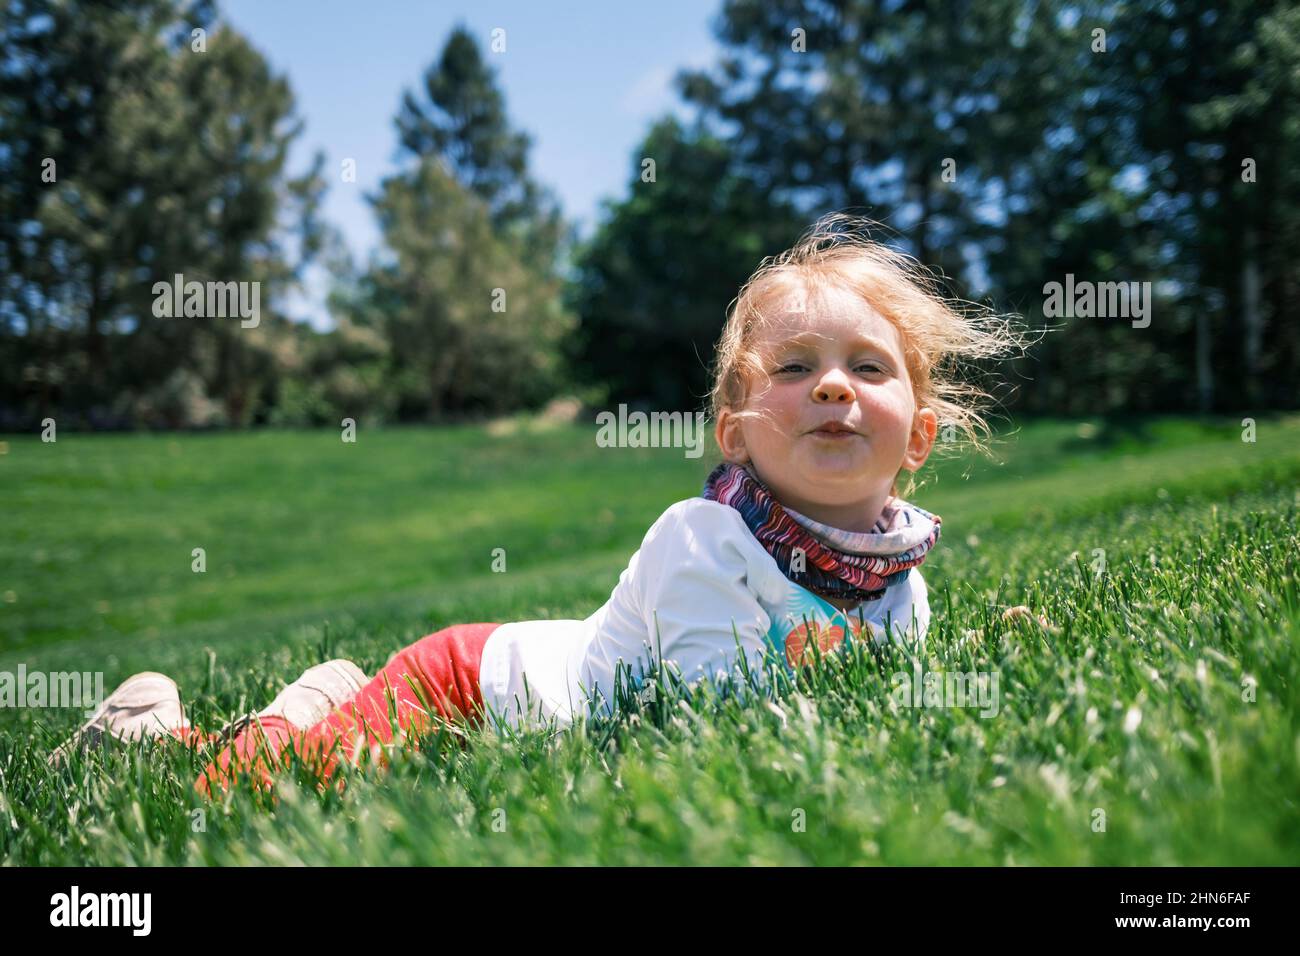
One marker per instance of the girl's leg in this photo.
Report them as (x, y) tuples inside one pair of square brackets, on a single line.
[(444, 669), (148, 704), (316, 692), (308, 700)]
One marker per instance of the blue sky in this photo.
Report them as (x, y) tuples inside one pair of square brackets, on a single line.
[(584, 79)]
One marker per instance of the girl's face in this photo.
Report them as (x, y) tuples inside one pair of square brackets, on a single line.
[(838, 418)]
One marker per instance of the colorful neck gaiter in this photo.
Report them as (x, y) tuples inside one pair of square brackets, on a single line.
[(859, 569)]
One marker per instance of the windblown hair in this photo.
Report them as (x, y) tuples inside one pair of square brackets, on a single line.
[(941, 336)]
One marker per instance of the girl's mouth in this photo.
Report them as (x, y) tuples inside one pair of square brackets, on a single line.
[(834, 433)]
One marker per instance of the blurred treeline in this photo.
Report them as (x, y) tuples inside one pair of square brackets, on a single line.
[(1006, 143)]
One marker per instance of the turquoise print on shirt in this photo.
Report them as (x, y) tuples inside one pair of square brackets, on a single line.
[(806, 619)]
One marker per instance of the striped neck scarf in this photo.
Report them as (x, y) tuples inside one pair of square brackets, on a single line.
[(848, 565)]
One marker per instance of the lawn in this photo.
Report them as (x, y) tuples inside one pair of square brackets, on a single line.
[(1155, 723)]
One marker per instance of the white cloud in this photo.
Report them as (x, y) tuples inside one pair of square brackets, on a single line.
[(652, 92)]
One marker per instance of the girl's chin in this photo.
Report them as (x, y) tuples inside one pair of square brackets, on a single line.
[(829, 473), (847, 458)]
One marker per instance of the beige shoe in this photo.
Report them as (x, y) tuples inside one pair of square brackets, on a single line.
[(317, 693), (147, 704)]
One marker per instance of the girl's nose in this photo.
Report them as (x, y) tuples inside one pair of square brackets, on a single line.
[(833, 387)]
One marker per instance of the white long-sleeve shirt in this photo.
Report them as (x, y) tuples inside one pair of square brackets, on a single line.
[(700, 581)]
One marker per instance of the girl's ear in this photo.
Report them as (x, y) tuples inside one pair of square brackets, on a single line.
[(921, 440), (730, 438)]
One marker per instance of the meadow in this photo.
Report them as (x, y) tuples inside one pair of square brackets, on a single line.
[(1156, 721)]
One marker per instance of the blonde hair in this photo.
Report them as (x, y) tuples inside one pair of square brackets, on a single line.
[(940, 335)]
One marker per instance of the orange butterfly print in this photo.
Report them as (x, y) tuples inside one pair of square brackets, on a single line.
[(826, 636)]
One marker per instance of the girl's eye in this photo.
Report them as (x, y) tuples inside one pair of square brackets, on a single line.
[(871, 368)]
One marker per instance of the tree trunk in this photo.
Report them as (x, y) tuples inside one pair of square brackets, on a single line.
[(922, 231), (95, 353), (1204, 373), (1252, 316)]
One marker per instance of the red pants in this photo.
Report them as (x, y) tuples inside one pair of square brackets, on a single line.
[(444, 669)]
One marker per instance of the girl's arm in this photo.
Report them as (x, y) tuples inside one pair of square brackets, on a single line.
[(694, 585)]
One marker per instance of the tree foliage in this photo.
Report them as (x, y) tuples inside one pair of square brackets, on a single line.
[(136, 150)]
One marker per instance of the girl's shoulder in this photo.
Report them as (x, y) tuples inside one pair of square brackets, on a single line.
[(700, 518), (699, 532), (700, 538)]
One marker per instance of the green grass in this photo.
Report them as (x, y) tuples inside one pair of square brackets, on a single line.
[(1137, 704)]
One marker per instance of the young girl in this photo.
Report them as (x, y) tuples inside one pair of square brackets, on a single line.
[(828, 385)]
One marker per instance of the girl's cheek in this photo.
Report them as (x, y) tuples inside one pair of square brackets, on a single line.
[(888, 401)]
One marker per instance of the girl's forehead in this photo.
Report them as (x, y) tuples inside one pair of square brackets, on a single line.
[(833, 314)]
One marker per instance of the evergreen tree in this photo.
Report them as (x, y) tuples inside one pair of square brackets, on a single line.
[(168, 149)]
